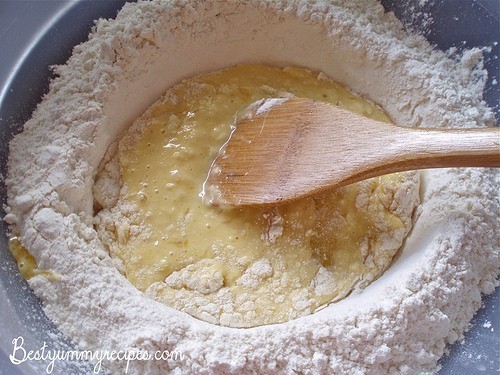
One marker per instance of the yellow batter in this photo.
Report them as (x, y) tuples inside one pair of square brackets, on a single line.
[(247, 266), (26, 263)]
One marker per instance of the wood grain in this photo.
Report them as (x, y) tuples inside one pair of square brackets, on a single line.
[(300, 147)]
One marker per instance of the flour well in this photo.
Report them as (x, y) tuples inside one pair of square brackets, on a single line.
[(207, 260), (401, 324)]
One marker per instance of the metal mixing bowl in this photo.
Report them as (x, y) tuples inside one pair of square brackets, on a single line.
[(37, 34)]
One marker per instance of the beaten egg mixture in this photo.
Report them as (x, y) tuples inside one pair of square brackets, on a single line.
[(250, 266)]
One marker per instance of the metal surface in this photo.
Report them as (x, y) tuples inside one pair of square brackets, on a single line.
[(37, 34)]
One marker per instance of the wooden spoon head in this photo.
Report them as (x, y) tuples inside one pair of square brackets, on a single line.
[(274, 153)]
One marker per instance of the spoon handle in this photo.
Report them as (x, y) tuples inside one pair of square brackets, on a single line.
[(437, 148), (381, 148)]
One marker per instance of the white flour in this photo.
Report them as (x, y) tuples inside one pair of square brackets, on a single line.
[(400, 324)]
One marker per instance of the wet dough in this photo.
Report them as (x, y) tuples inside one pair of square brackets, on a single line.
[(246, 266)]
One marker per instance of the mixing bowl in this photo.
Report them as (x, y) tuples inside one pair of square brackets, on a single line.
[(35, 35)]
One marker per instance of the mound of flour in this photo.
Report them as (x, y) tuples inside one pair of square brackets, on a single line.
[(400, 324)]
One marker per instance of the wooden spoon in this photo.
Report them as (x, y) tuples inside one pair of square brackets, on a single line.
[(290, 148)]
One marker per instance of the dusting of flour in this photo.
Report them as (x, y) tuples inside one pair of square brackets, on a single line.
[(400, 324)]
